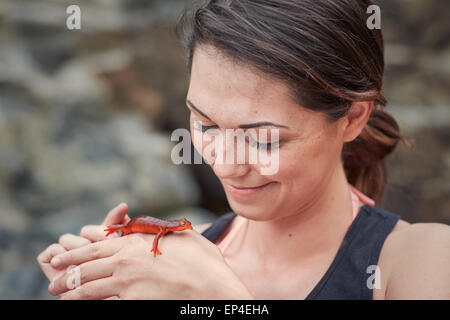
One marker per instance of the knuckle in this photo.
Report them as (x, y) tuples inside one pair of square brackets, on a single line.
[(124, 260), (53, 247), (41, 257), (84, 230), (94, 250), (48, 253), (63, 237), (88, 230), (51, 290), (58, 285), (134, 278), (83, 276)]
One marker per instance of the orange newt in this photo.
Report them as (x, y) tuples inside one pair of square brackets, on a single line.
[(148, 224)]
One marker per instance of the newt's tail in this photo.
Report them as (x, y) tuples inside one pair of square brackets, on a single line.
[(115, 228)]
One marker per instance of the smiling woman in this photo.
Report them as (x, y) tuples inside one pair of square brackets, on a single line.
[(313, 71)]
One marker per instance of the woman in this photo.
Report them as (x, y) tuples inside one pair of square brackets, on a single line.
[(310, 71)]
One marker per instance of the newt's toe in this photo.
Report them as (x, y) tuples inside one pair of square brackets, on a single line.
[(155, 252)]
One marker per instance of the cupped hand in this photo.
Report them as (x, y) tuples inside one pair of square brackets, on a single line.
[(66, 242), (191, 267), (88, 234)]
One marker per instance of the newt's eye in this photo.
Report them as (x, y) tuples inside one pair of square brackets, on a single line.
[(182, 224)]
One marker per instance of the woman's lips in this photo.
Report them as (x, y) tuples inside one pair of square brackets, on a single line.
[(239, 191)]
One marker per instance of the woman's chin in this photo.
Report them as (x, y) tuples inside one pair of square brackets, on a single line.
[(254, 205), (253, 211)]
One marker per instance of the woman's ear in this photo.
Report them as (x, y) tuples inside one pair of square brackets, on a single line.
[(356, 119)]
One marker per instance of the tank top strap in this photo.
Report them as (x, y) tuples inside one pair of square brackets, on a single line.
[(213, 232), (358, 199), (351, 274)]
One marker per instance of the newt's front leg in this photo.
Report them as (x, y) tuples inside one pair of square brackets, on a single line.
[(155, 242)]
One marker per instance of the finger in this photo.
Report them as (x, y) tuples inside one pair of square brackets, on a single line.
[(92, 251), (71, 241), (44, 260), (96, 233), (50, 252), (117, 215), (79, 275), (94, 290)]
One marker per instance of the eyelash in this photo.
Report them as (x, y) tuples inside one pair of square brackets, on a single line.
[(267, 146)]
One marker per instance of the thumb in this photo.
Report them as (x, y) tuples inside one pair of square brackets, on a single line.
[(117, 215)]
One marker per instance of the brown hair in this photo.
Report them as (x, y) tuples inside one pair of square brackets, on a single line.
[(322, 50)]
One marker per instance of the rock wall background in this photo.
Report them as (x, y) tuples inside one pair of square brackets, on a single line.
[(86, 117)]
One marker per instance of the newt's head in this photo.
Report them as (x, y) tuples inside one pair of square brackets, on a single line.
[(185, 224)]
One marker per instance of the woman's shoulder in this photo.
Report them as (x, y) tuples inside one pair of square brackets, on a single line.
[(412, 239), (414, 261), (408, 237), (405, 234)]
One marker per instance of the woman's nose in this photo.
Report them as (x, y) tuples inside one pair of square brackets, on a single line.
[(228, 163), (228, 171)]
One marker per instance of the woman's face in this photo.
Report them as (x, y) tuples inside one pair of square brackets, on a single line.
[(226, 95)]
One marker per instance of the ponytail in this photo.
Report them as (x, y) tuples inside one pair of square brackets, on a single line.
[(363, 158)]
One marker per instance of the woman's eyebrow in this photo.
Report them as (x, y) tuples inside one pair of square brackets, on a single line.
[(242, 126), (191, 106), (262, 124)]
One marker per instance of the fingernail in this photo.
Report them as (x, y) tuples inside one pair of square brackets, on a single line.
[(55, 261)]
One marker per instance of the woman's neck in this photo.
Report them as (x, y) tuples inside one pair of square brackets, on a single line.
[(307, 233)]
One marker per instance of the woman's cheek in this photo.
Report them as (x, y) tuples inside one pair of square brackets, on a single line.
[(301, 165), (289, 167), (312, 165)]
